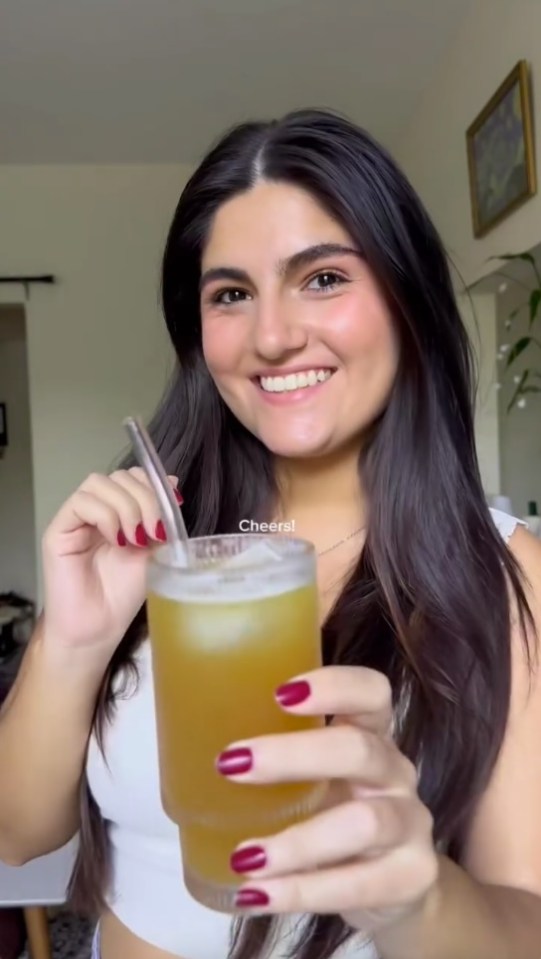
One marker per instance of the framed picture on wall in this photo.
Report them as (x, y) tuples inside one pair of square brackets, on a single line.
[(500, 148)]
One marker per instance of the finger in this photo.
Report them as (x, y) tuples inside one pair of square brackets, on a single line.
[(84, 509), (140, 474), (127, 505), (353, 691), (391, 881), (364, 828), (332, 752), (139, 488), (74, 513)]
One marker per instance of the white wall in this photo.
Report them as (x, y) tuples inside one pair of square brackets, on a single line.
[(96, 341), (494, 36), (17, 534)]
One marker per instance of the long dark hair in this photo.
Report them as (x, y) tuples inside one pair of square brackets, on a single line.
[(428, 601)]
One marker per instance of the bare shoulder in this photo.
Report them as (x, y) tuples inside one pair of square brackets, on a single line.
[(526, 549)]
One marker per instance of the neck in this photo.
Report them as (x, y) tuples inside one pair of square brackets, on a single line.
[(327, 489)]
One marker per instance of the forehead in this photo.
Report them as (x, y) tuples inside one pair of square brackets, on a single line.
[(270, 221)]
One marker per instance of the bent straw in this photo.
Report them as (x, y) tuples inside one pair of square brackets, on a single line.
[(149, 460)]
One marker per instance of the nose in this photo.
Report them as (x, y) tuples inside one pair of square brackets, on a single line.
[(278, 331)]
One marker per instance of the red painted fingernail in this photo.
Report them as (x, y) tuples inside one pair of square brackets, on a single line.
[(248, 859), (250, 898), (233, 762), (120, 538), (141, 537), (179, 496), (160, 531), (291, 694)]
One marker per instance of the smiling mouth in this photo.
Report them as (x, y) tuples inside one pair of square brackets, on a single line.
[(292, 382)]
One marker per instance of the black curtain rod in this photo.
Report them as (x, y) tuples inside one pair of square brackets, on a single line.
[(46, 278)]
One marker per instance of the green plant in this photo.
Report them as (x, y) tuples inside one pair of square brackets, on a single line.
[(529, 343)]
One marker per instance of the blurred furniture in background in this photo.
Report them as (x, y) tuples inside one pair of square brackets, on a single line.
[(35, 886)]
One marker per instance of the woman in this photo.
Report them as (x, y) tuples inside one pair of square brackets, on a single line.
[(324, 379)]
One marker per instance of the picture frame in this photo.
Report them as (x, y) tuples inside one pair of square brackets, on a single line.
[(500, 150)]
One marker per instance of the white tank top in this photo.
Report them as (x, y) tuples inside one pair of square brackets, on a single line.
[(147, 890)]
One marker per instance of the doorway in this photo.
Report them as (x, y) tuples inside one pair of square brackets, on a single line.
[(18, 573)]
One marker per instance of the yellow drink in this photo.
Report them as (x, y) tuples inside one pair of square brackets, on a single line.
[(222, 642)]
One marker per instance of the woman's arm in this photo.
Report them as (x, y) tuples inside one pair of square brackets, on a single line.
[(491, 908), (94, 577), (44, 729), (464, 918)]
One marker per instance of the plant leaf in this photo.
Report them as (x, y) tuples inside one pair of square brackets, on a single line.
[(535, 300), (515, 256), (532, 389), (527, 257), (518, 391), (517, 349)]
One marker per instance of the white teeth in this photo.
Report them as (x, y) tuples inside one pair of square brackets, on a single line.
[(293, 381)]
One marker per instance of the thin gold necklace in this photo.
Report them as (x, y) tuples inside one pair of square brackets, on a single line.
[(323, 552)]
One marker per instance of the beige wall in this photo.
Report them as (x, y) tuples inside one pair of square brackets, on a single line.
[(479, 314), (96, 341), (520, 429), (17, 533), (495, 35)]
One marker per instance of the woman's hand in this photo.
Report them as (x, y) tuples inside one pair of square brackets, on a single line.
[(369, 856), (95, 554)]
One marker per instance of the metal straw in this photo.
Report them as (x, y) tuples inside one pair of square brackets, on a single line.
[(148, 458)]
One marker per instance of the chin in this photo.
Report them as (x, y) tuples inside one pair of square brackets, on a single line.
[(294, 448)]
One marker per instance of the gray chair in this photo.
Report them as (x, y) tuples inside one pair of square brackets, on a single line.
[(35, 886)]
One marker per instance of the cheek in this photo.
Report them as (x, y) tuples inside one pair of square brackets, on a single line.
[(363, 332), (222, 346)]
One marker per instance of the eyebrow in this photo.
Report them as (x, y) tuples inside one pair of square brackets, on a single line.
[(284, 267)]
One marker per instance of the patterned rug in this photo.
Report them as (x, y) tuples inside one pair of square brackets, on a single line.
[(71, 937)]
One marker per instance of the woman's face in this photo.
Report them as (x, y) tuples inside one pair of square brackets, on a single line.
[(296, 333)]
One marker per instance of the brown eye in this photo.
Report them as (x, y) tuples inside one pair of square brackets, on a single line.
[(230, 296), (326, 280)]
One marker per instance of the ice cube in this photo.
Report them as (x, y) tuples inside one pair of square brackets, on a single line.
[(258, 553)]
